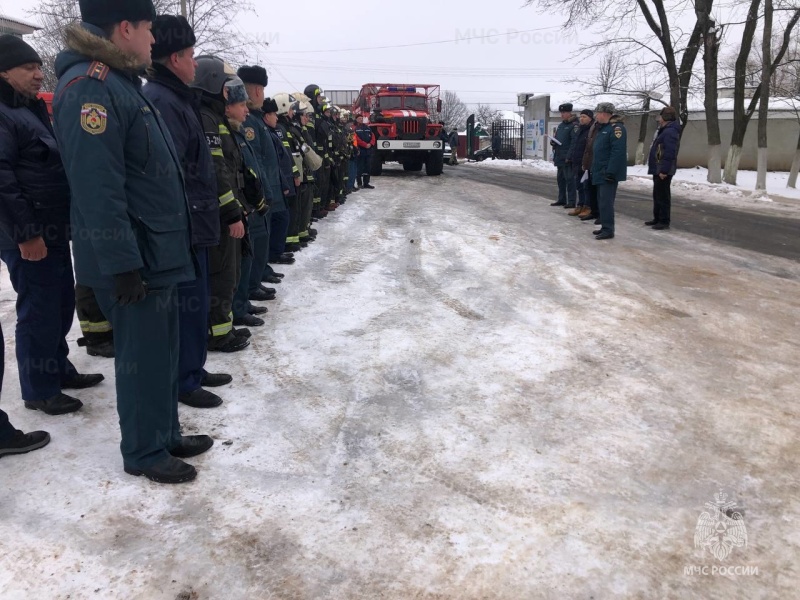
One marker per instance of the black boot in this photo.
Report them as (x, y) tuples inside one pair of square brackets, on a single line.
[(192, 445), (59, 404), (215, 379), (80, 382), (169, 470), (200, 398), (366, 183), (23, 443)]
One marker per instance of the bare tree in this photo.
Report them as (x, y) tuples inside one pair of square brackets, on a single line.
[(711, 36), (763, 109), (610, 75), (212, 21), (742, 115), (486, 114), (454, 111), (669, 48)]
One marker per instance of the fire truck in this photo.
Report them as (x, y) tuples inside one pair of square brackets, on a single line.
[(400, 117)]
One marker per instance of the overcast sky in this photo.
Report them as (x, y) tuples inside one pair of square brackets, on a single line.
[(485, 69), (485, 50)]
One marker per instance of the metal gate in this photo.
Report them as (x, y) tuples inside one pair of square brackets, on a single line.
[(512, 138)]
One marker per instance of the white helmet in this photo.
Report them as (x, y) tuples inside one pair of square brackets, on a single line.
[(285, 102)]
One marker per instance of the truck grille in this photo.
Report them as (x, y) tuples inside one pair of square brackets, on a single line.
[(411, 127)]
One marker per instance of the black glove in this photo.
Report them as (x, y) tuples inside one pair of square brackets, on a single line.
[(253, 191), (129, 288)]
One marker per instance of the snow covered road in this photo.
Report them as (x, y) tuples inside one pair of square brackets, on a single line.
[(459, 394)]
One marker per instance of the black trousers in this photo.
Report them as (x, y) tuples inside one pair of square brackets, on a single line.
[(7, 431), (94, 325), (591, 196), (293, 206), (662, 199), (307, 192)]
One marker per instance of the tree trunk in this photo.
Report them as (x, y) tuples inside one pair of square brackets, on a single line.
[(795, 166), (640, 158), (711, 37), (740, 118), (763, 109)]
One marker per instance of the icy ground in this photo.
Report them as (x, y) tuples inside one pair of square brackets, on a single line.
[(459, 395), (693, 183)]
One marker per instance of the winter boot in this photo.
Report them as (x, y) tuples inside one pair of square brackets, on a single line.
[(575, 211), (366, 183)]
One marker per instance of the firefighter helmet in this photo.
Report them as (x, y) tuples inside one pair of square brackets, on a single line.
[(211, 74), (285, 103)]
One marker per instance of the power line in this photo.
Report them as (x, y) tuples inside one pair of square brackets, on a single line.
[(476, 37)]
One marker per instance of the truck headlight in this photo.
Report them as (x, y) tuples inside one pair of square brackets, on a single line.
[(437, 145), (385, 144)]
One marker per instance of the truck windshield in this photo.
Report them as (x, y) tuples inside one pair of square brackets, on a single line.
[(415, 103), (390, 102)]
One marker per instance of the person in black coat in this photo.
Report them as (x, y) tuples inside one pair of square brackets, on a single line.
[(167, 88), (34, 234), (496, 145), (662, 164)]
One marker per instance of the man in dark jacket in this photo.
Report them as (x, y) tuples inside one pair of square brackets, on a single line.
[(34, 234), (286, 167), (497, 144), (561, 145), (609, 165), (586, 120), (365, 138), (454, 146), (662, 163), (173, 69), (131, 238)]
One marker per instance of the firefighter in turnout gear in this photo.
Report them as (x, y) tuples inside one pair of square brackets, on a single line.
[(314, 95), (297, 127), (218, 82), (292, 142)]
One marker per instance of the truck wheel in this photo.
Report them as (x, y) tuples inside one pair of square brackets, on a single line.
[(435, 163), (376, 164), (415, 165)]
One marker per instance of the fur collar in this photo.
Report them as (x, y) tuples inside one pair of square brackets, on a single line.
[(81, 38)]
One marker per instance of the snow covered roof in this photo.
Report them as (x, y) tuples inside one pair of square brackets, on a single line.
[(15, 26)]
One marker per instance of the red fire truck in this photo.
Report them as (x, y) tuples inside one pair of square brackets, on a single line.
[(400, 116)]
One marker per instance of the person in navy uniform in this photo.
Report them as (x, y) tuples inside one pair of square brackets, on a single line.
[(609, 164), (365, 139), (34, 234), (167, 88), (566, 132), (130, 219)]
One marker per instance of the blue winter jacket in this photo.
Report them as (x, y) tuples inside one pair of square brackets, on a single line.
[(179, 106), (664, 151), (610, 159), (34, 191), (129, 209), (257, 134)]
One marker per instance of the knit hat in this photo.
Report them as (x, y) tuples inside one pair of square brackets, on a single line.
[(255, 75), (605, 107), (108, 12), (15, 52), (269, 106), (566, 107), (588, 113), (172, 34), (669, 114)]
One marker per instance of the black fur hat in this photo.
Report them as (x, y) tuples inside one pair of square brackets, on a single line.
[(269, 106), (106, 12), (566, 107), (172, 34), (255, 75)]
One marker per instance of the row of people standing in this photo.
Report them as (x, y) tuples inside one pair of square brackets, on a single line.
[(180, 195), (590, 155)]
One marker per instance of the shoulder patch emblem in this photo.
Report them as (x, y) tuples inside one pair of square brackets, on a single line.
[(249, 134), (618, 132), (94, 118)]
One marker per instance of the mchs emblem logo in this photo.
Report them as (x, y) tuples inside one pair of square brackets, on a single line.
[(720, 529)]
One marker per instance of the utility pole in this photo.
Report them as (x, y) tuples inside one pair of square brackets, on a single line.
[(183, 8)]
